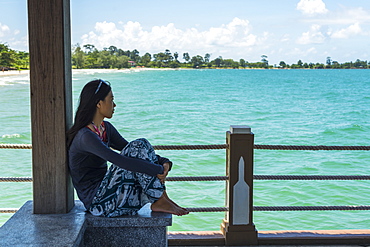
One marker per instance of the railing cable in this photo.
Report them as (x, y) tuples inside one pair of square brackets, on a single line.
[(224, 146), (311, 148), (287, 208), (224, 178), (199, 178), (257, 208), (15, 179), (8, 210), (310, 208), (190, 147), (16, 146), (311, 177)]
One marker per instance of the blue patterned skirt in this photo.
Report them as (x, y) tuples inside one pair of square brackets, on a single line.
[(124, 192)]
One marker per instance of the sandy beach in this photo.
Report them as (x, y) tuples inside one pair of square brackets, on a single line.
[(14, 72), (89, 71)]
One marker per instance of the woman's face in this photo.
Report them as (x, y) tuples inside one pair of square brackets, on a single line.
[(106, 106)]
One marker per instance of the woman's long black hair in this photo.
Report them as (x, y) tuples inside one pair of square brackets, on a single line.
[(91, 94)]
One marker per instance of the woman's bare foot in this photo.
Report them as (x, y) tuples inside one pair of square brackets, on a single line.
[(166, 196), (167, 206)]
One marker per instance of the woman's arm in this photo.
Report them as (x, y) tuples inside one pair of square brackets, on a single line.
[(163, 160), (90, 142), (163, 176), (117, 142)]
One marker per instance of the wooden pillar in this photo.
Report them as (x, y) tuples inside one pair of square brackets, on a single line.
[(238, 227), (51, 103)]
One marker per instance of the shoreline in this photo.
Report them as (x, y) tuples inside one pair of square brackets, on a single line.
[(27, 72), (14, 72)]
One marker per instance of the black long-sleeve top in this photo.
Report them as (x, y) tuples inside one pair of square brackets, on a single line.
[(88, 157)]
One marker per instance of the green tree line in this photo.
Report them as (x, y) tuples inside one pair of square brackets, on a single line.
[(11, 59), (89, 57)]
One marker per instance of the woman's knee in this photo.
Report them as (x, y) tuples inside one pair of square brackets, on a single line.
[(140, 148), (139, 143), (144, 143)]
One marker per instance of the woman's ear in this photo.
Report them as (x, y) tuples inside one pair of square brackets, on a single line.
[(98, 105)]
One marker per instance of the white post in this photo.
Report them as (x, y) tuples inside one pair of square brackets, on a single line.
[(241, 198)]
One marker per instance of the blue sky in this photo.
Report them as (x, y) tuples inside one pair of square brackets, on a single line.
[(287, 30)]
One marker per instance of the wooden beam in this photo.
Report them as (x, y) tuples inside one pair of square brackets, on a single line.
[(51, 103)]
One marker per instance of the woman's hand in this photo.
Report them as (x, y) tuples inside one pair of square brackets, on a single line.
[(166, 168)]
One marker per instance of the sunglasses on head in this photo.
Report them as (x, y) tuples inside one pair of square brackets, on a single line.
[(101, 81)]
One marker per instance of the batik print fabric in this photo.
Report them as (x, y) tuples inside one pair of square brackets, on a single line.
[(124, 192)]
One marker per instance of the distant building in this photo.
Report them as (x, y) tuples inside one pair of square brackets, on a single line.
[(132, 63)]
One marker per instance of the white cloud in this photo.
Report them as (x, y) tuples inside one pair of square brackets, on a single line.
[(354, 15), (285, 38), (19, 43), (4, 29), (311, 7), (12, 38), (347, 32), (344, 16), (314, 35), (342, 24), (304, 54), (234, 35)]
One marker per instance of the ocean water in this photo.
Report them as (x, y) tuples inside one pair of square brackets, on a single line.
[(178, 107)]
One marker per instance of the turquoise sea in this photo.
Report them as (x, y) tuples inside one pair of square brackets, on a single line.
[(178, 107)]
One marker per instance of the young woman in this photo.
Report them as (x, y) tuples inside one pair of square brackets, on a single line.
[(137, 174)]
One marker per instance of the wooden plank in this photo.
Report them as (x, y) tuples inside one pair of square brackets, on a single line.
[(51, 103)]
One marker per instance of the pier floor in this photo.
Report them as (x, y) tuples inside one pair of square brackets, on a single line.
[(343, 238)]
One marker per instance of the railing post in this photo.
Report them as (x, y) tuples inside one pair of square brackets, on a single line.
[(238, 227)]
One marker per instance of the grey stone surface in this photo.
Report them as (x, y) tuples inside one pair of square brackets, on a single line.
[(27, 229), (78, 228), (125, 236), (144, 218), (147, 228)]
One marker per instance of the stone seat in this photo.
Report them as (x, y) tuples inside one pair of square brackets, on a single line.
[(78, 228)]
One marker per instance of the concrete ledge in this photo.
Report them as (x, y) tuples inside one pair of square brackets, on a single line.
[(144, 218), (78, 229), (147, 228), (27, 229)]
